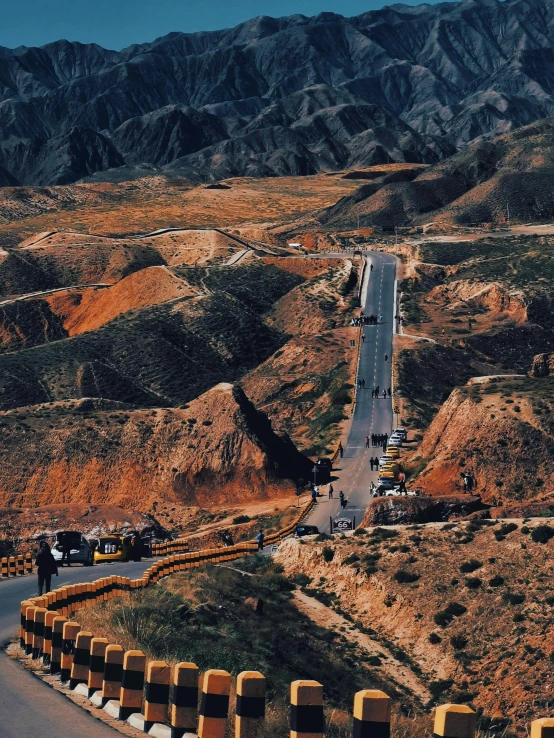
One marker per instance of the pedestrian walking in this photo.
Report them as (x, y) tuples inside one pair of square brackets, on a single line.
[(46, 566), (376, 460), (363, 337), (66, 549), (363, 383), (341, 450), (389, 392), (314, 494), (371, 268), (380, 319), (136, 545), (371, 463), (386, 357), (331, 490), (367, 441), (384, 394), (260, 539)]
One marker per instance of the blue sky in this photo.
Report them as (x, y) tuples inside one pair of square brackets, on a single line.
[(118, 23)]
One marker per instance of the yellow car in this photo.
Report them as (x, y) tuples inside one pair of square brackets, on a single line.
[(393, 451), (113, 547), (392, 468), (387, 475)]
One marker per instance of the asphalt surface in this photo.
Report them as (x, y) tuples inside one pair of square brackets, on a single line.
[(370, 416), (29, 709)]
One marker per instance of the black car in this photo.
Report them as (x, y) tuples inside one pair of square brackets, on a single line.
[(306, 530), (327, 463)]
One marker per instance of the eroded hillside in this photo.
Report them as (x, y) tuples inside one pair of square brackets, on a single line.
[(467, 606)]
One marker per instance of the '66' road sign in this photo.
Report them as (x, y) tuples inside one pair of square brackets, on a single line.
[(340, 525)]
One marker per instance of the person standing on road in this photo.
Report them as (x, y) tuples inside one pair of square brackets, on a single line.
[(363, 337), (136, 545), (386, 357), (314, 494), (46, 566), (367, 441), (331, 490), (66, 549), (371, 463), (260, 539), (371, 268), (402, 480), (384, 394), (389, 392), (341, 450)]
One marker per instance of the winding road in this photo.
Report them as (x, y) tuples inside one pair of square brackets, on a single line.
[(370, 416)]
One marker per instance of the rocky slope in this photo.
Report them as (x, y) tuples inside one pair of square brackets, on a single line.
[(467, 605), (475, 186), (274, 96), (217, 448)]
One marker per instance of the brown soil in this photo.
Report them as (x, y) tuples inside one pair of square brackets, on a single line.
[(217, 450), (493, 662)]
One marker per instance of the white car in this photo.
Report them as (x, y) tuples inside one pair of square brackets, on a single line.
[(395, 442), (81, 552), (384, 459), (402, 432)]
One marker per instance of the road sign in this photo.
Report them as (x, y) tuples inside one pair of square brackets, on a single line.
[(340, 525)]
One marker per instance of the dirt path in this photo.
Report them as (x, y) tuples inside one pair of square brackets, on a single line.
[(325, 617)]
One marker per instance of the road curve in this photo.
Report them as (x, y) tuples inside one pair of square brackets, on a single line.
[(29, 709), (370, 416)]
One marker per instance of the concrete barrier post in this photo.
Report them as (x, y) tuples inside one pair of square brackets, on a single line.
[(156, 693), (69, 636), (250, 706), (29, 628), (372, 711), (542, 728), (113, 673), (12, 571), (454, 721), (132, 684), (28, 563), (214, 705), (81, 660), (183, 713), (23, 622), (20, 566), (4, 569), (97, 662), (38, 631), (57, 641), (47, 647), (306, 709)]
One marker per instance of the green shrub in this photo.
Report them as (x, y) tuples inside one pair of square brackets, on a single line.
[(351, 559), (455, 609), (328, 553), (519, 617), (496, 581), (440, 686), (542, 534), (241, 519), (301, 579), (473, 582), (405, 577), (434, 638), (469, 566)]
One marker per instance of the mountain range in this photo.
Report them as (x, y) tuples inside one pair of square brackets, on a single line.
[(292, 95)]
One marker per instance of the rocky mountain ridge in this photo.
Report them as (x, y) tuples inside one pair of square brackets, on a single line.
[(275, 96)]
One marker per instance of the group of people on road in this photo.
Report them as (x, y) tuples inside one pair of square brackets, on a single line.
[(376, 393), (366, 320), (379, 439), (361, 383), (374, 463), (315, 493)]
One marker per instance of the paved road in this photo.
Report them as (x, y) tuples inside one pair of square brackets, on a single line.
[(28, 709), (370, 416)]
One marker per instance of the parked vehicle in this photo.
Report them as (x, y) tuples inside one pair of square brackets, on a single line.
[(113, 547), (306, 530), (80, 550), (401, 432), (393, 451)]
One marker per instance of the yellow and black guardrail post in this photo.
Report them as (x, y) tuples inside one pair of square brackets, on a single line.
[(97, 662), (29, 628), (372, 713), (156, 693), (250, 704), (81, 659), (306, 709), (47, 647), (132, 684), (38, 631), (454, 721), (214, 704), (23, 624), (113, 673), (57, 643), (69, 636), (4, 567), (12, 570), (183, 707), (28, 563)]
